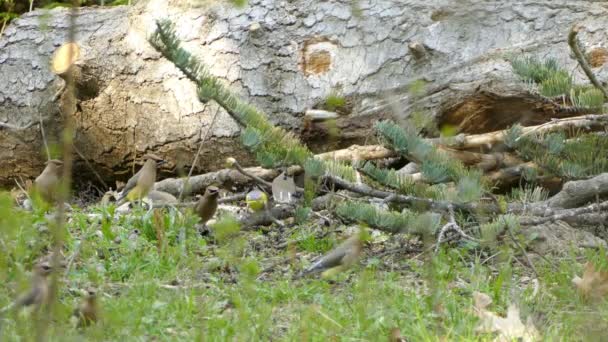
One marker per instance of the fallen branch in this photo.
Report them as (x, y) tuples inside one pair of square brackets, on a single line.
[(444, 206), (451, 225), (357, 152), (266, 218), (522, 250), (582, 122), (565, 214), (576, 193), (197, 184), (86, 161)]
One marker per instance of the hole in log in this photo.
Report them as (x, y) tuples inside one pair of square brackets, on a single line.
[(317, 56), (597, 57), (482, 113)]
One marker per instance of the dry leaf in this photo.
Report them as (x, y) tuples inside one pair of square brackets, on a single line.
[(594, 284), (508, 328)]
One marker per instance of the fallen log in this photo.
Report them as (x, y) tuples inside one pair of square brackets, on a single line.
[(139, 102)]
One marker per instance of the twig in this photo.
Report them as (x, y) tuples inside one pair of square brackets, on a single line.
[(259, 180), (46, 145), (399, 250), (200, 148), (451, 225), (3, 26), (22, 189), (17, 128), (73, 257), (522, 250), (578, 121), (233, 198), (58, 92), (318, 310), (92, 169), (582, 61)]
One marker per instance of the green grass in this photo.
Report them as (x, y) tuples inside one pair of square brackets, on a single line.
[(221, 296)]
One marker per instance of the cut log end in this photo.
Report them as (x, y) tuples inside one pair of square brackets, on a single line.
[(64, 58)]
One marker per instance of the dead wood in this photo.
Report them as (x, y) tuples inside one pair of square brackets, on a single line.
[(575, 46), (580, 192), (224, 177)]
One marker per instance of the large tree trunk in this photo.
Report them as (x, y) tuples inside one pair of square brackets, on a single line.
[(283, 56)]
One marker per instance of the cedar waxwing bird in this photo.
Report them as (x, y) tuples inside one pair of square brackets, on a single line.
[(207, 204), (87, 312), (142, 182), (38, 294), (47, 184), (339, 259), (256, 200), (161, 197)]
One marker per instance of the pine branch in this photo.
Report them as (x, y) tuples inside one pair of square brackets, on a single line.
[(389, 221), (418, 202), (272, 145)]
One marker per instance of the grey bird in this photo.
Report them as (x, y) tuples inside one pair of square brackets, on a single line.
[(207, 205), (339, 259), (142, 182), (161, 197), (47, 183)]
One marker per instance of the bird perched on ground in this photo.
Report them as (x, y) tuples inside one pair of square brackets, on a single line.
[(256, 200), (87, 311), (38, 294), (207, 205), (339, 259), (47, 184), (142, 182), (161, 197)]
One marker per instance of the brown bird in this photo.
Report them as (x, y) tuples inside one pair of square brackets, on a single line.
[(395, 336), (38, 294), (140, 184), (339, 258), (47, 184), (87, 312), (207, 204)]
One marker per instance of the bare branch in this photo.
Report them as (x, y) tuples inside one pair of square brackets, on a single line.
[(576, 193), (200, 147), (90, 167), (522, 250), (17, 128), (451, 225), (582, 61), (565, 214)]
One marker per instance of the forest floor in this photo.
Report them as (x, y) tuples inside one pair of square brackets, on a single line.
[(244, 286)]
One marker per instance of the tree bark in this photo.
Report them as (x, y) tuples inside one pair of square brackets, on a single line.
[(284, 57)]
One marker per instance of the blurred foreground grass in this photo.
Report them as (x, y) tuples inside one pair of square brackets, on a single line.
[(187, 287)]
